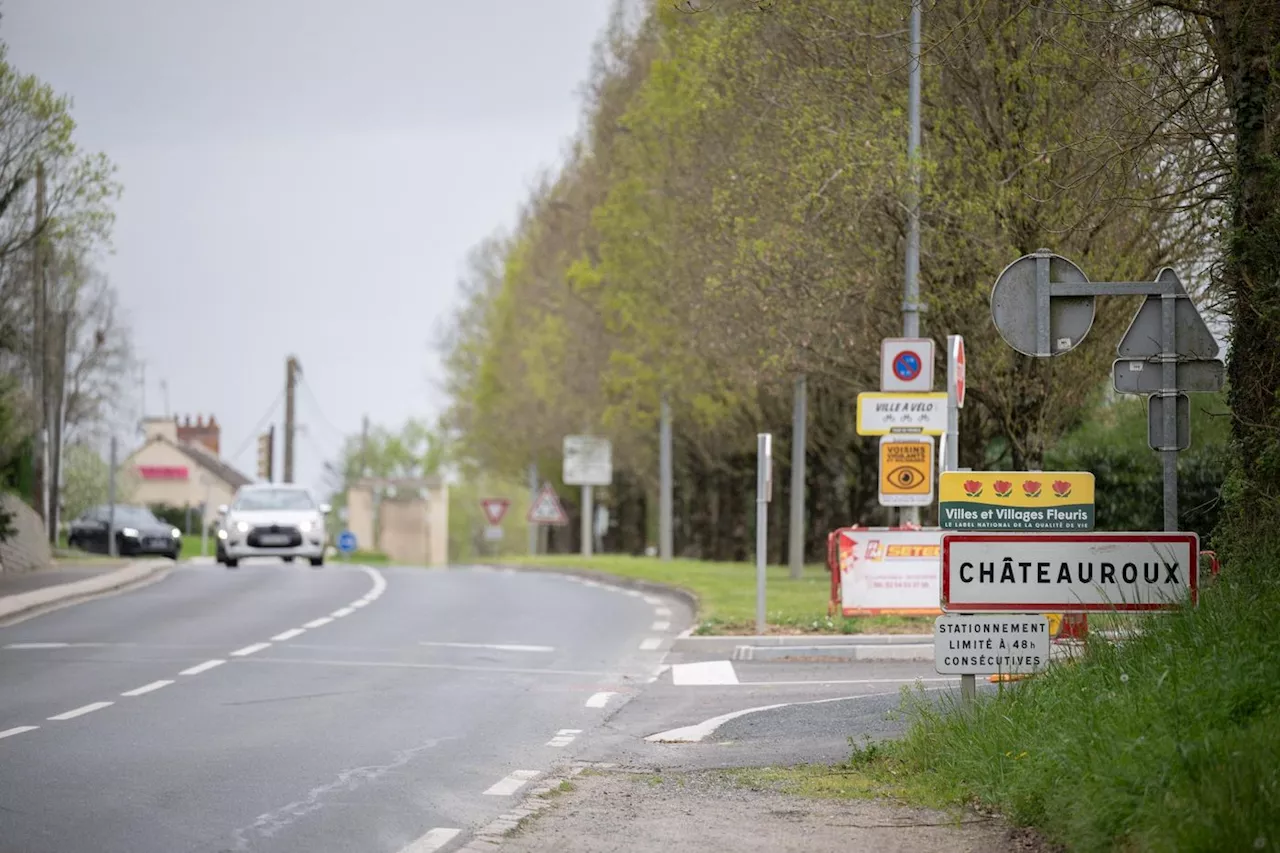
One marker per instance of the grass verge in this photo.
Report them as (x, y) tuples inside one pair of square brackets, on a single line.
[(726, 594), (1168, 741)]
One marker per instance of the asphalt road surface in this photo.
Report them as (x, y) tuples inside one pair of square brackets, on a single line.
[(283, 708)]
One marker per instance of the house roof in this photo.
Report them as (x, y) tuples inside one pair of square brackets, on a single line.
[(205, 459)]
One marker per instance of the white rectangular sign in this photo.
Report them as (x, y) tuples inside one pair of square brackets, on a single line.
[(1013, 643), (906, 365), (884, 414), (1068, 572), (885, 571), (588, 461)]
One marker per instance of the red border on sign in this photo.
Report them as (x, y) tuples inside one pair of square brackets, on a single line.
[(1191, 540), (919, 365)]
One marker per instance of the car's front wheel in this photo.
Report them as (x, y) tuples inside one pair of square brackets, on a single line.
[(317, 561), (288, 558), (231, 563)]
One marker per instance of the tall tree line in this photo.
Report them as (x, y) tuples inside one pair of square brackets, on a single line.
[(732, 216)]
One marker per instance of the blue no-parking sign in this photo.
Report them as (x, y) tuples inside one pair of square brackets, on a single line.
[(346, 541)]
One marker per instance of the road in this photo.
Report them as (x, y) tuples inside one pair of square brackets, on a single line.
[(283, 708)]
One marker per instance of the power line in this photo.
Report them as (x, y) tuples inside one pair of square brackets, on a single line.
[(257, 430)]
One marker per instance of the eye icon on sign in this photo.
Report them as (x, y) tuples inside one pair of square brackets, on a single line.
[(905, 477)]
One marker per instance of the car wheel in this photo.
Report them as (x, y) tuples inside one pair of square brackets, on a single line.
[(317, 561), (288, 559), (230, 563)]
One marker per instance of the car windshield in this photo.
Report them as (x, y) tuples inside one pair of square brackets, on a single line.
[(273, 499), (132, 515)]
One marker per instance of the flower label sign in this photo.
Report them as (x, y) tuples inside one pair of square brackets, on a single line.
[(1016, 500)]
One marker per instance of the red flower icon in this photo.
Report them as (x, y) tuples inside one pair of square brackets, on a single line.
[(972, 488), (1062, 488), (1031, 489), (1003, 488)]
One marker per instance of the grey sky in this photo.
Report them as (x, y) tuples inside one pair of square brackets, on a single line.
[(306, 176)]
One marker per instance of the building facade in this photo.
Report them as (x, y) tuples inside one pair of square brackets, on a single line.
[(179, 465)]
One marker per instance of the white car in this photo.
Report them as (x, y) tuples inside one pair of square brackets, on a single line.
[(272, 520)]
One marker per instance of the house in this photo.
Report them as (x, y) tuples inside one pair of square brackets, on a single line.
[(179, 465)]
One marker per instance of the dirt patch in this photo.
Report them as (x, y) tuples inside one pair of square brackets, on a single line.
[(702, 811)]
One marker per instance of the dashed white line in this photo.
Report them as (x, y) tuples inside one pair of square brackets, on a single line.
[(660, 626), (37, 645), (433, 840), (289, 635), (599, 700), (513, 782), (664, 612), (248, 650), (81, 711), (147, 688), (17, 730), (316, 623), (652, 599), (501, 647), (564, 737), (634, 593), (650, 643), (362, 602), (342, 611), (379, 583), (202, 667)]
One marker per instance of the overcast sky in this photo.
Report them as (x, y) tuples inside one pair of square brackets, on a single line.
[(306, 177)]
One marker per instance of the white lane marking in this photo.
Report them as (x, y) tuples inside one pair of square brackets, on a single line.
[(202, 667), (248, 650), (696, 733), (433, 840), (82, 710), (147, 688), (652, 599), (664, 612), (379, 583), (37, 645), (650, 644), (514, 781), (824, 682), (17, 730), (704, 672), (564, 737), (316, 623), (342, 611), (289, 635), (501, 647), (362, 602), (660, 626), (634, 593), (599, 700)]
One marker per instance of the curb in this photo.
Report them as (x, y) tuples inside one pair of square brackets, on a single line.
[(728, 644), (491, 835), (652, 587), (38, 601), (869, 652)]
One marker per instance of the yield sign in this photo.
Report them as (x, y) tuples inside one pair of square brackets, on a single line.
[(546, 508), (494, 509)]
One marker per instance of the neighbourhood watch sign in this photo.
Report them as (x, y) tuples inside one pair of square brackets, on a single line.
[(1015, 500)]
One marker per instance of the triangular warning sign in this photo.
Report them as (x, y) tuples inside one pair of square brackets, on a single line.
[(1192, 338), (494, 509), (546, 508)]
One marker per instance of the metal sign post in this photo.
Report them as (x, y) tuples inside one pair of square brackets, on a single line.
[(764, 493), (588, 462)]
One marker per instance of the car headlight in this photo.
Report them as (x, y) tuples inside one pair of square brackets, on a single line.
[(177, 534), (309, 526), (130, 532), (242, 526)]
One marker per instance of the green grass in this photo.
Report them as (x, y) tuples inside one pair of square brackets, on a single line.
[(1170, 741), (726, 594)]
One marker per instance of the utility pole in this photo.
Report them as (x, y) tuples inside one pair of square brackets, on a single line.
[(911, 283), (40, 352), (799, 417), (533, 497), (665, 483), (291, 371)]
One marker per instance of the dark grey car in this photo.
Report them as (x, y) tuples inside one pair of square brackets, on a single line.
[(138, 532)]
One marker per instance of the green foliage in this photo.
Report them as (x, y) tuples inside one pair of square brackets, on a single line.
[(86, 480), (1168, 741), (1128, 477)]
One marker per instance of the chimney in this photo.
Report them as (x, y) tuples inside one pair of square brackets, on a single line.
[(207, 435)]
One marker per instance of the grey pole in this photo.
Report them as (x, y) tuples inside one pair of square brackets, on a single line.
[(952, 460), (764, 484), (1169, 393), (533, 497), (796, 537), (665, 483), (911, 284), (111, 501), (587, 514)]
